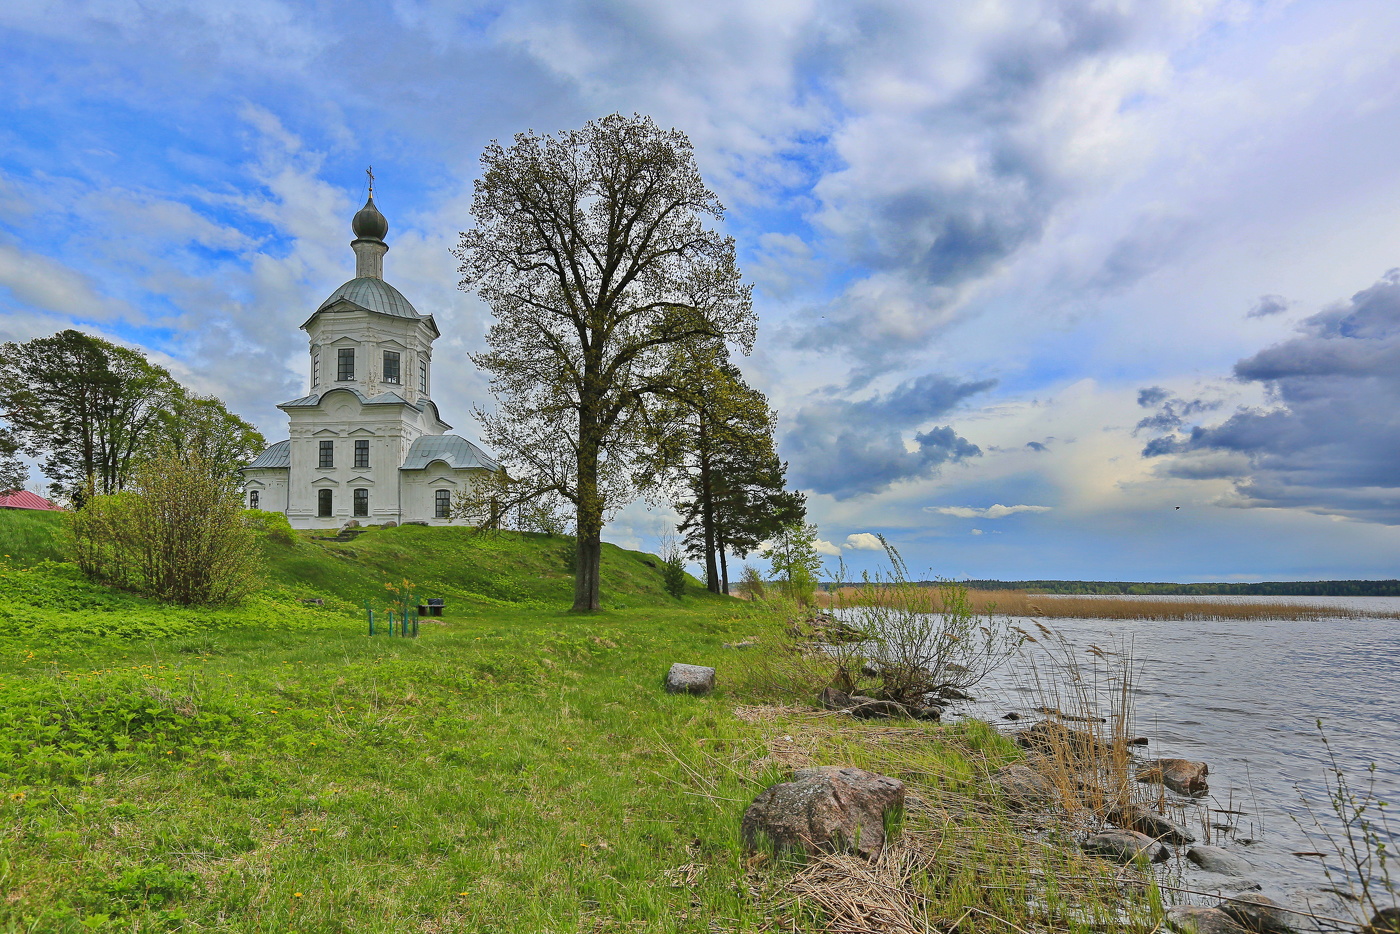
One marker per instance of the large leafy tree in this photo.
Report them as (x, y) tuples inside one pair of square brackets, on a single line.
[(592, 249), (92, 412)]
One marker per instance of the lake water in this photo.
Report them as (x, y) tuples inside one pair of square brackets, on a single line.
[(1245, 696)]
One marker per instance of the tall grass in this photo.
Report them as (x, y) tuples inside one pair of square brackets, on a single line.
[(1056, 606)]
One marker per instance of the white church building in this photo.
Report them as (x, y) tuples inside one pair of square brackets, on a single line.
[(366, 442)]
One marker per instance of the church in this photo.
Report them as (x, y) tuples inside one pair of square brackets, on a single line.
[(366, 442)]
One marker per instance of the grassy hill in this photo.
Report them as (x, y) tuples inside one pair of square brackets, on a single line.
[(515, 768)]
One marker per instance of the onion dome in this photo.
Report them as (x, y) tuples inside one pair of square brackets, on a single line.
[(368, 223)]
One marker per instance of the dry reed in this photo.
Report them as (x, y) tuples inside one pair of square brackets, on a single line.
[(1063, 606)]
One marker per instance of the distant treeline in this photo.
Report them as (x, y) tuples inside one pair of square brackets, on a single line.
[(1388, 588)]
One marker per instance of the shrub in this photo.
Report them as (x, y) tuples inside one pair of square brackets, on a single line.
[(178, 536), (275, 524), (751, 583), (922, 643), (673, 572)]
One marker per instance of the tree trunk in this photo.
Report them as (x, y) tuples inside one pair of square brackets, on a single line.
[(707, 512), (723, 568), (588, 571)]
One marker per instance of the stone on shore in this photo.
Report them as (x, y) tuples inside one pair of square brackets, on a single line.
[(825, 809), (1136, 817), (1051, 738), (1182, 776), (1190, 919), (690, 679), (1216, 859), (1126, 846), (1385, 921), (1258, 913), (1024, 787), (870, 708)]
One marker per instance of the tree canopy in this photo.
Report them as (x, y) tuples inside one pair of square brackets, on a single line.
[(715, 447), (592, 248), (93, 412)]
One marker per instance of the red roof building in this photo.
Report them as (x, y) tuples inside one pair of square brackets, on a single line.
[(23, 499)]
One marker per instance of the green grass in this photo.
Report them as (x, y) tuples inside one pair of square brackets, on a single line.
[(516, 768), (30, 535)]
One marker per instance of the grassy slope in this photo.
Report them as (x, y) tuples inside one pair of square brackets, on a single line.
[(272, 768), (516, 768)]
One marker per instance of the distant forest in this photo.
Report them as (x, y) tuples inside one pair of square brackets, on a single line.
[(1389, 588)]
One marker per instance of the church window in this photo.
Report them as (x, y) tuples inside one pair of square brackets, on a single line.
[(345, 364), (323, 502), (252, 499), (422, 375), (315, 370), (362, 502), (442, 503), (327, 454), (391, 366), (361, 453)]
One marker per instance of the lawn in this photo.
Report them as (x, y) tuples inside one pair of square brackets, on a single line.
[(273, 768)]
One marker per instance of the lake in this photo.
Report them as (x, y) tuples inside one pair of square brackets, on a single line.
[(1244, 696)]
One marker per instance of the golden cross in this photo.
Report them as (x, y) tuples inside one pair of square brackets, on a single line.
[(370, 172)]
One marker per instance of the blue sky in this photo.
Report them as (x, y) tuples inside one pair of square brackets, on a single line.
[(1030, 275)]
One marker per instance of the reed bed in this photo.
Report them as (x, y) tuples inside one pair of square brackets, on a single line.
[(1057, 606)]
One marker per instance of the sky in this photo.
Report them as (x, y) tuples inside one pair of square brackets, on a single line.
[(1077, 290)]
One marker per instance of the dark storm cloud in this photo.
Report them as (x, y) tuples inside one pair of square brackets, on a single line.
[(1268, 305), (848, 448), (1036, 446), (1329, 442)]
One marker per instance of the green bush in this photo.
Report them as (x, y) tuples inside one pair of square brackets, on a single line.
[(673, 572), (178, 536), (275, 524)]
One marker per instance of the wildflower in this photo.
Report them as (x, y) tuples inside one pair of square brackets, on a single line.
[(296, 895), (17, 795)]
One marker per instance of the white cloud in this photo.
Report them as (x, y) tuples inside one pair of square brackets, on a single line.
[(996, 511), (977, 532), (824, 547), (863, 541)]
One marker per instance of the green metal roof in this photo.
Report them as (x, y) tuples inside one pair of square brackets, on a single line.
[(373, 295)]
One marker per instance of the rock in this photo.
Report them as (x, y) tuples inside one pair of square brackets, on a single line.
[(1126, 846), (1024, 787), (690, 679), (1190, 919), (1257, 913), (1135, 817), (391, 524), (1137, 741), (746, 644), (1011, 716), (1386, 921), (1216, 859), (825, 809), (832, 699), (952, 693), (1182, 776), (868, 708), (352, 524), (1050, 737)]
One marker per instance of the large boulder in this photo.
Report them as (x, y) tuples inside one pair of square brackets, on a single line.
[(1191, 919), (1126, 846), (1215, 859), (1024, 787), (870, 708), (1182, 776), (1136, 817), (1258, 913), (825, 809), (690, 679)]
